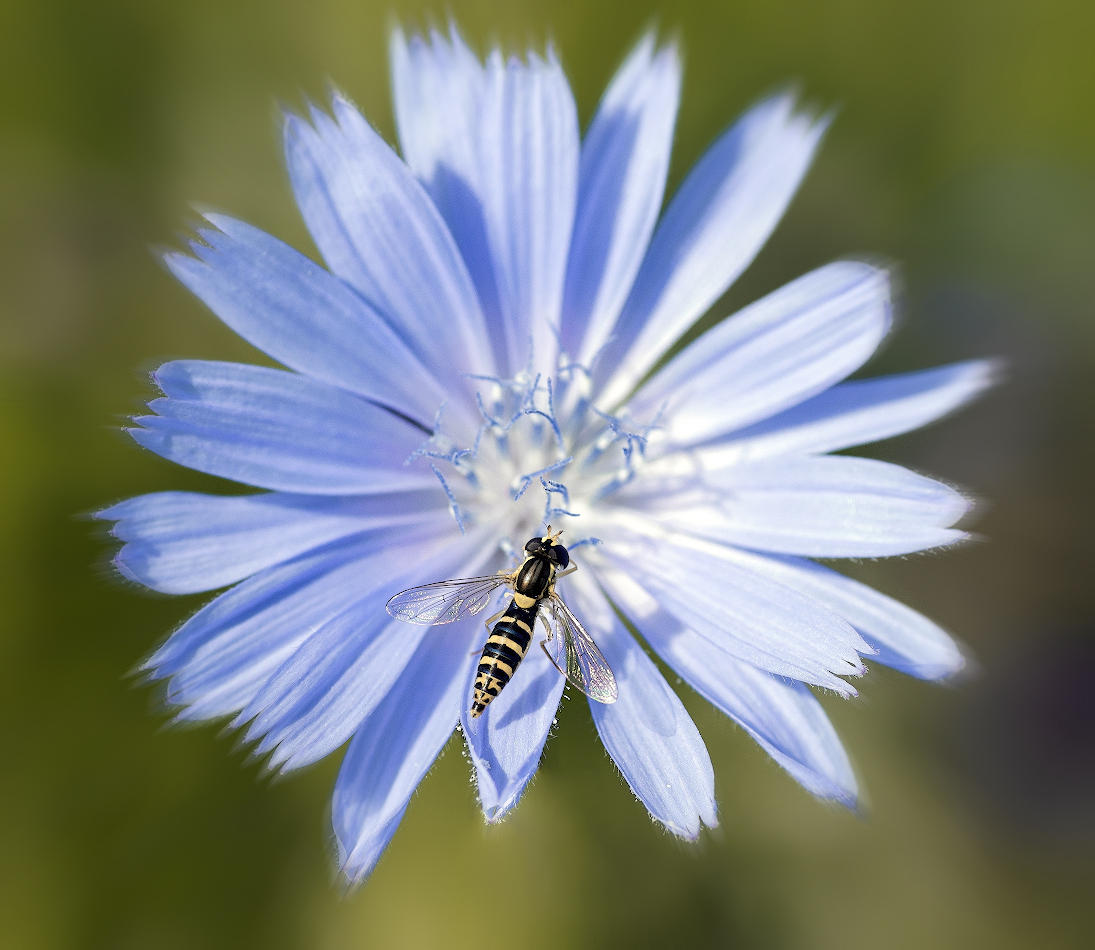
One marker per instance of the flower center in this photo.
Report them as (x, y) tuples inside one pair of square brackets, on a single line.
[(543, 454)]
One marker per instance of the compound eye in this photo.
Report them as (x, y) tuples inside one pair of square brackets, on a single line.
[(561, 556), (534, 545)]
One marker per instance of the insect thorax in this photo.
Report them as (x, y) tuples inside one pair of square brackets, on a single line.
[(534, 577)]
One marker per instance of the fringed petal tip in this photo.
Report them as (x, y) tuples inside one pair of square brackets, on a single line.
[(691, 835), (122, 567), (493, 809), (845, 798), (950, 666), (355, 866), (496, 814)]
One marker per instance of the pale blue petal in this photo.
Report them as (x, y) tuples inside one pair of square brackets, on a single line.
[(647, 731), (379, 231), (394, 748), (904, 639), (438, 90), (786, 347), (184, 542), (279, 430), (497, 148), (819, 506), (858, 412), (507, 740), (223, 655), (314, 701), (711, 589), (716, 223), (528, 185), (782, 715), (305, 318), (621, 181)]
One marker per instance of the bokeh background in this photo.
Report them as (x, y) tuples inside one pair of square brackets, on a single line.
[(964, 148)]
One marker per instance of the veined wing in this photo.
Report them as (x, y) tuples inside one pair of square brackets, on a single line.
[(445, 601), (576, 656)]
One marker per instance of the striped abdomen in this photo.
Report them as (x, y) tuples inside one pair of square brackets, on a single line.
[(506, 647)]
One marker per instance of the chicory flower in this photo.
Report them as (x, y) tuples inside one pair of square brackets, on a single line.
[(481, 356)]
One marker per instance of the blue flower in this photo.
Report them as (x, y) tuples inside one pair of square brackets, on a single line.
[(481, 356)]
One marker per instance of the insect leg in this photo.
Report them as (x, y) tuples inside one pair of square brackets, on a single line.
[(487, 623), (547, 626), (569, 570), (490, 620)]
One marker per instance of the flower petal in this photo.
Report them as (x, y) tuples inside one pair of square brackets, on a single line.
[(316, 698), (904, 639), (782, 715), (314, 701), (185, 542), (378, 230), (715, 225), (280, 430), (784, 348), (221, 657), (302, 316), (507, 740), (647, 731), (856, 413), (819, 506), (437, 89), (394, 748), (712, 590), (624, 161), (528, 187), (497, 148)]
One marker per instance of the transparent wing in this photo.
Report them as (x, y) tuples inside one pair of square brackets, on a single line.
[(445, 601), (576, 656)]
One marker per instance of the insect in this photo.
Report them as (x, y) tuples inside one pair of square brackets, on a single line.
[(568, 646)]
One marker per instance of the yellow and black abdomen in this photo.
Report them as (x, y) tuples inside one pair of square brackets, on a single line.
[(506, 648)]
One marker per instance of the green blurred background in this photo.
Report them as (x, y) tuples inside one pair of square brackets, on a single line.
[(964, 148)]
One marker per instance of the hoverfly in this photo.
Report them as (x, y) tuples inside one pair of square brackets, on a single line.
[(568, 646)]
